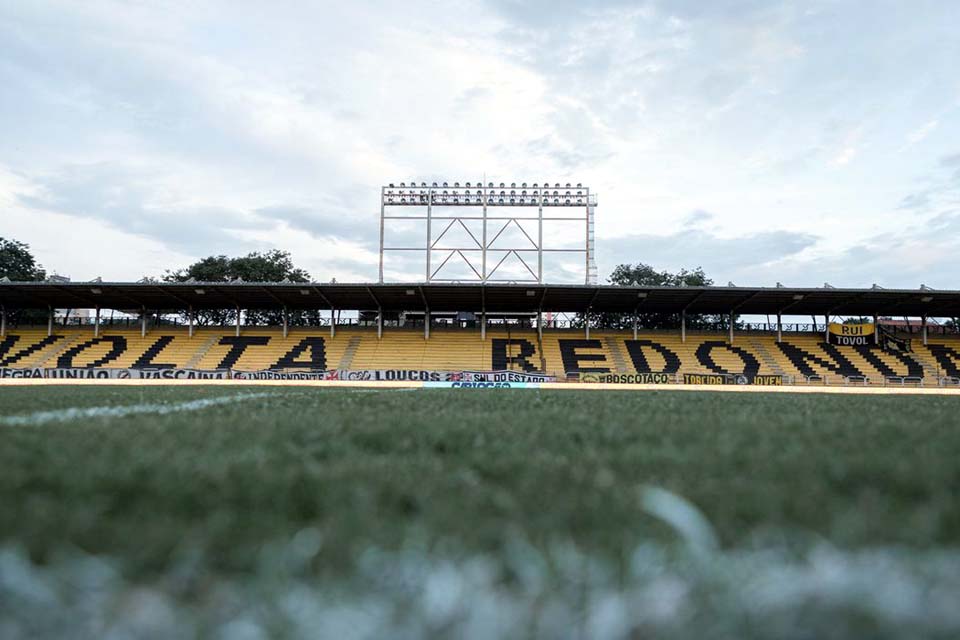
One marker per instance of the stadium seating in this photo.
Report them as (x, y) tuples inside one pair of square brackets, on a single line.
[(800, 357)]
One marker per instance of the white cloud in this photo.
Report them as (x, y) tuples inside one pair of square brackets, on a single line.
[(184, 130)]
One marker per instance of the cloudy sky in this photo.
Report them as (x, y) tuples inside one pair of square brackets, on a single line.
[(799, 142)]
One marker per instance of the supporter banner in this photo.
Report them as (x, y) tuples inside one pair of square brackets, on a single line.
[(719, 378), (480, 385), (704, 378), (10, 372), (83, 372), (418, 375), (505, 376), (629, 378), (284, 375), (180, 374), (851, 334)]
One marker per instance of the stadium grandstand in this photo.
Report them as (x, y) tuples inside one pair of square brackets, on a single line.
[(445, 331)]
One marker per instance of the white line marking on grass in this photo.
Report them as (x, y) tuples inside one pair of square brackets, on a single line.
[(74, 413)]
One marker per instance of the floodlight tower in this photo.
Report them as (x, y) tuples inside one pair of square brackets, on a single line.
[(513, 206)]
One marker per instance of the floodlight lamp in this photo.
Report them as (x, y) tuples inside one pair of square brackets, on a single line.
[(524, 185), (568, 185), (500, 200), (641, 294), (304, 292), (96, 292), (531, 293), (513, 185), (556, 201), (798, 297), (456, 185), (411, 292), (402, 185), (502, 185), (926, 299), (556, 185), (468, 185), (579, 185), (534, 185), (445, 184), (434, 184), (512, 201), (513, 193), (490, 185), (199, 292)]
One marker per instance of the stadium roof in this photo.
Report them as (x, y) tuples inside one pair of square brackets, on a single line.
[(496, 298)]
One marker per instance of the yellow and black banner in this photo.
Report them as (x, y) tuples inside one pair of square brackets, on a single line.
[(704, 378), (766, 380), (628, 378), (851, 334)]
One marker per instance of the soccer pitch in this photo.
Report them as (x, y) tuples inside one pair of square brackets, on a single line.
[(305, 512)]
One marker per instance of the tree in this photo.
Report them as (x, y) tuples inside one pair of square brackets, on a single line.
[(18, 264), (272, 266), (643, 275)]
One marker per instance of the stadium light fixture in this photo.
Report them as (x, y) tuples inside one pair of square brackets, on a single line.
[(304, 292), (798, 297), (411, 292), (199, 292), (926, 299), (642, 294), (96, 291)]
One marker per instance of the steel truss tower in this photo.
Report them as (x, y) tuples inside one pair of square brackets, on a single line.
[(497, 209)]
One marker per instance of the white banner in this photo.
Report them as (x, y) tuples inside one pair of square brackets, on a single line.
[(418, 375), (284, 375)]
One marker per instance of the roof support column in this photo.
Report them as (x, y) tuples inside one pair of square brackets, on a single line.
[(143, 322), (683, 326), (286, 322), (426, 324), (779, 327), (483, 326), (731, 327), (333, 322), (190, 316), (540, 325), (96, 324), (634, 325), (3, 322), (238, 321), (49, 321), (379, 323), (923, 324), (586, 324), (876, 331), (826, 328)]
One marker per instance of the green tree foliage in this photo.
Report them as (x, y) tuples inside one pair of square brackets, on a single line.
[(643, 275), (272, 266), (18, 264)]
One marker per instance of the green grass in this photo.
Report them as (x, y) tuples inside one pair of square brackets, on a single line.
[(372, 468), (467, 473)]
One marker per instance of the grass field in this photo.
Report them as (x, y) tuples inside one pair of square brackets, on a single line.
[(264, 512)]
